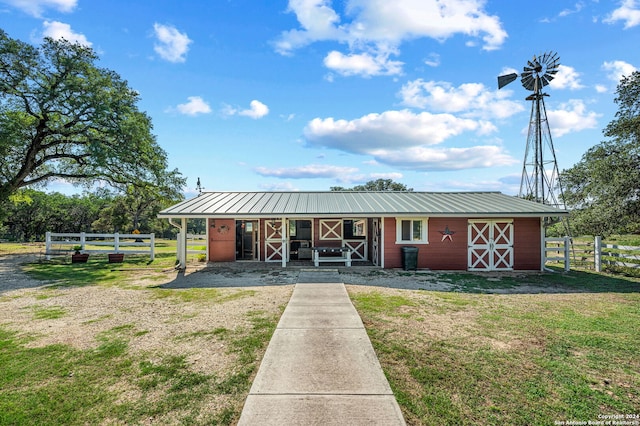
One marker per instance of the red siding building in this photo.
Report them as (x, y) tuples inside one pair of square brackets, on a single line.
[(477, 231)]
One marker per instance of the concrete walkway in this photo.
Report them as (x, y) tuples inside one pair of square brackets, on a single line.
[(320, 367)]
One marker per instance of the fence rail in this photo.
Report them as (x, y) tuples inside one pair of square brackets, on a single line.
[(616, 255), (65, 243), (194, 242), (591, 254)]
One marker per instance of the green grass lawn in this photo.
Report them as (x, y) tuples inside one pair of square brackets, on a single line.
[(59, 384), (532, 359), (452, 358)]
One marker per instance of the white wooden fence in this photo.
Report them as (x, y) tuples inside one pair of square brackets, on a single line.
[(557, 250), (615, 255), (590, 254), (64, 243)]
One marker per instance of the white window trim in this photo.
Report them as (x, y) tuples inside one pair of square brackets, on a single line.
[(425, 230)]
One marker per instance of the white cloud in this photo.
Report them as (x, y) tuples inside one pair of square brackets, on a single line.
[(618, 69), (470, 99), (318, 21), (433, 60), (571, 116), (428, 159), (383, 21), (601, 88), (629, 12), (566, 78), (390, 128), (172, 45), (256, 110), (58, 30), (377, 28), (405, 139), (305, 172), (37, 7), (195, 106), (576, 8), (363, 64)]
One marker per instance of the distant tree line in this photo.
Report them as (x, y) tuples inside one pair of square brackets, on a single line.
[(375, 185), (32, 213)]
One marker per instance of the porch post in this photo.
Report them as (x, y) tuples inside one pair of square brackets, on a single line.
[(182, 244), (543, 246), (207, 225), (381, 243), (283, 235)]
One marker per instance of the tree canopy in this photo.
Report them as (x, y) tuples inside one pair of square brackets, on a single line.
[(375, 185), (102, 211), (63, 117), (603, 188)]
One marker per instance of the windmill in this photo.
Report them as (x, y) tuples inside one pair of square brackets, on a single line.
[(540, 176)]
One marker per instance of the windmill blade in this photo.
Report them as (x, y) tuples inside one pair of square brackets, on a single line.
[(528, 82), (545, 79), (545, 58), (503, 80)]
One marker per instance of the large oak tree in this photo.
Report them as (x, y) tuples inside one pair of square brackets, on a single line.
[(63, 117), (603, 188)]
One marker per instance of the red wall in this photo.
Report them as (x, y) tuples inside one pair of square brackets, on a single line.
[(222, 240), (440, 254), (526, 244), (446, 254)]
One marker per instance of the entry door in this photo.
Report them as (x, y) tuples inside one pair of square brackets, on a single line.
[(246, 240), (274, 249), (490, 245)]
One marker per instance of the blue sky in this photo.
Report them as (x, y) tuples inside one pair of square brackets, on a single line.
[(309, 94)]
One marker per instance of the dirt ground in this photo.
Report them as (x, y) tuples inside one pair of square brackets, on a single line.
[(78, 316)]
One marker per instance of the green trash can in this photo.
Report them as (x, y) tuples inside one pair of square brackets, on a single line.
[(409, 257)]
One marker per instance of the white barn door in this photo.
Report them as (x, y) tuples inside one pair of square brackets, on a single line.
[(490, 245), (274, 249)]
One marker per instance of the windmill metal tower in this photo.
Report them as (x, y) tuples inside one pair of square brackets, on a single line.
[(540, 176)]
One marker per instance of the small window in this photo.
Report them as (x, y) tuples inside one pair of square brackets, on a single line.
[(354, 229), (411, 231)]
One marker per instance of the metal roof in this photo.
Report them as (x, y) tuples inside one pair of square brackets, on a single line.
[(357, 204)]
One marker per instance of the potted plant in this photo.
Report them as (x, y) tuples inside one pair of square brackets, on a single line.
[(116, 257), (78, 257)]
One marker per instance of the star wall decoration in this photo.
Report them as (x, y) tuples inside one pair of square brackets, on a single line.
[(447, 234)]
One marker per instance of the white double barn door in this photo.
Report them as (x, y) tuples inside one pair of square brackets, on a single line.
[(490, 245)]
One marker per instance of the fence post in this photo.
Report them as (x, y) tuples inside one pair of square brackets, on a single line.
[(83, 239), (597, 253), (116, 242), (567, 246), (47, 248), (153, 245)]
